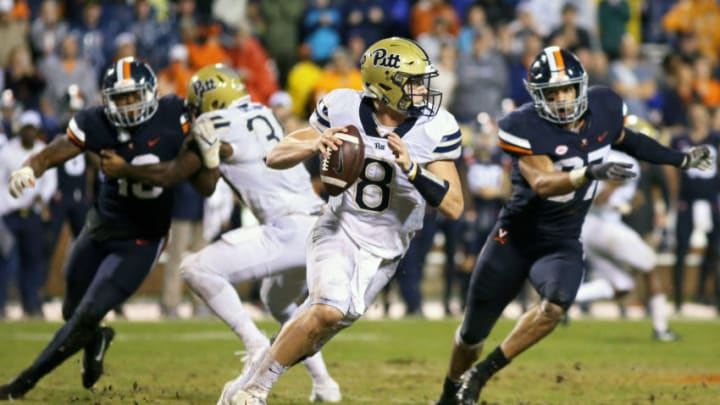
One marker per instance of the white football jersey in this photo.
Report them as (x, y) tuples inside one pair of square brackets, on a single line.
[(269, 193), (382, 209), (621, 196)]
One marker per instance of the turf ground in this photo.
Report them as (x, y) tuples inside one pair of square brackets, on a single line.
[(386, 362)]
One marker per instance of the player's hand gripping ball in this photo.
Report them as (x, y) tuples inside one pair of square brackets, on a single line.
[(340, 168)]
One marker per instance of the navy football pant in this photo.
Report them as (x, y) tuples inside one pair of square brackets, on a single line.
[(99, 276), (554, 268)]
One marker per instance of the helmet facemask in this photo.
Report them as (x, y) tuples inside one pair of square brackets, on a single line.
[(133, 114), (418, 98), (560, 112)]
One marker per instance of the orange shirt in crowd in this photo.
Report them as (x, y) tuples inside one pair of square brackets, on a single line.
[(423, 14), (209, 53), (176, 76), (331, 80), (253, 64), (700, 17)]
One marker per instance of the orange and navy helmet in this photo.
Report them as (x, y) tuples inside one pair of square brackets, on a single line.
[(557, 67), (129, 75)]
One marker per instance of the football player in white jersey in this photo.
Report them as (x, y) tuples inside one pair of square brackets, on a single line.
[(612, 248), (236, 134), (410, 144)]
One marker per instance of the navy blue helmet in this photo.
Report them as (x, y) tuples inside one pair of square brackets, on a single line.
[(557, 67), (129, 75)]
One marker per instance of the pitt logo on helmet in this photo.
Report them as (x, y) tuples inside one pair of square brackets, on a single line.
[(200, 87), (381, 58)]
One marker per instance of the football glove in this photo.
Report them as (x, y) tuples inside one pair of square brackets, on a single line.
[(617, 171), (697, 157), (21, 179), (205, 131)]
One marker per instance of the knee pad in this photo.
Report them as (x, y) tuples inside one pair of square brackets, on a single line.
[(552, 310), (467, 341)]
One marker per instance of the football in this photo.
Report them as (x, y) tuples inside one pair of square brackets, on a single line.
[(340, 169)]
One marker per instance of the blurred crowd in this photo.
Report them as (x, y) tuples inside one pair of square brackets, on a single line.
[(661, 56)]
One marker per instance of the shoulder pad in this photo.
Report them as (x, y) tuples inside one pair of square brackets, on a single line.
[(444, 130), (84, 122)]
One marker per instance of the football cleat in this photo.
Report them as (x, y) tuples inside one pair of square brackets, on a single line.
[(94, 355), (473, 383), (243, 397), (328, 392), (665, 336), (15, 389), (446, 400)]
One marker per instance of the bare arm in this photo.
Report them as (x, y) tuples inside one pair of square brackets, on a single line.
[(300, 145), (453, 203), (164, 174), (58, 151), (539, 172)]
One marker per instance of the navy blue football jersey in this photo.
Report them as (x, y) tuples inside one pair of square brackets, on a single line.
[(696, 184), (125, 208), (524, 132)]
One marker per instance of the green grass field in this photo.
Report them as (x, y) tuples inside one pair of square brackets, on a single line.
[(386, 362)]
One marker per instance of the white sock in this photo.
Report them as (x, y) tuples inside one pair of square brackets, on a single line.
[(227, 305), (595, 290), (317, 368), (659, 312), (268, 371)]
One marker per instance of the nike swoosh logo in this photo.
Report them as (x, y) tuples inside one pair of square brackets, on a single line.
[(339, 168), (153, 142), (102, 350), (602, 136)]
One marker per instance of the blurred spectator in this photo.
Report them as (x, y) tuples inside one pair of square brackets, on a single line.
[(281, 105), (546, 14), (700, 17), (48, 30), (576, 37), (321, 29), (365, 18), (251, 60), (92, 38), (24, 216), (339, 73), (697, 204), (518, 69), (613, 16), (446, 81), (424, 13), (434, 39), (483, 78), (677, 91), (10, 112), (204, 46), (75, 178), (22, 77), (186, 235), (66, 69), (175, 77), (184, 18), (632, 78), (153, 39), (232, 13), (398, 17), (521, 27), (12, 32), (280, 35), (596, 66), (705, 86), (475, 21), (498, 12), (301, 81), (356, 47)]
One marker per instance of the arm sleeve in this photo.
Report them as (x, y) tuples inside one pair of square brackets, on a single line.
[(645, 148)]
